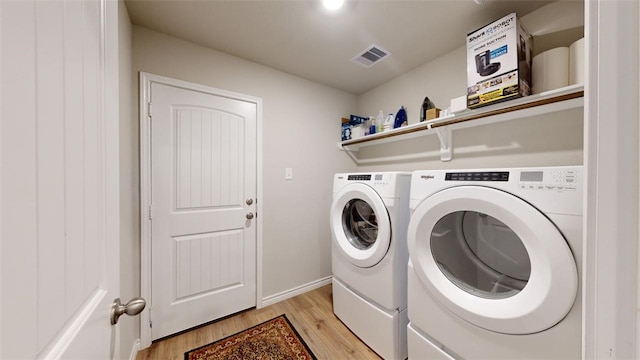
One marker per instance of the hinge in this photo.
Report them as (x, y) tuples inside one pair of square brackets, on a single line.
[(149, 109), (150, 211)]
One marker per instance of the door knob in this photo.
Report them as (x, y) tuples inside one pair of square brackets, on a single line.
[(133, 307), (249, 201), (250, 216)]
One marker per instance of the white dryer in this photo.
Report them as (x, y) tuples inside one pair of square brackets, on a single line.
[(495, 257), (369, 218)]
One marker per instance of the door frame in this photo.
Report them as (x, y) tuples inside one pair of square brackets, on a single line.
[(146, 79)]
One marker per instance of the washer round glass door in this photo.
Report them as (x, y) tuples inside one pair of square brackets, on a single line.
[(360, 225), (492, 259)]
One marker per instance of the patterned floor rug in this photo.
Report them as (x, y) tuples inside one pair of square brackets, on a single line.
[(273, 339)]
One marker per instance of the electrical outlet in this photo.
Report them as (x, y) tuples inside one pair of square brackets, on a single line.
[(288, 174)]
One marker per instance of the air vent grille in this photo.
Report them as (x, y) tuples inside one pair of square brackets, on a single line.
[(371, 55)]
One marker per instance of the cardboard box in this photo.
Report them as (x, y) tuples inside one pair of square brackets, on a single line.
[(458, 104), (353, 127), (498, 62), (346, 131), (432, 114)]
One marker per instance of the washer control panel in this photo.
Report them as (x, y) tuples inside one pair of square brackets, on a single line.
[(549, 180), (359, 177), (376, 180)]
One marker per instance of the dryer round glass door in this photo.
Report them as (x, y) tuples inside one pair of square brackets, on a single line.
[(492, 259), (360, 225), (480, 254)]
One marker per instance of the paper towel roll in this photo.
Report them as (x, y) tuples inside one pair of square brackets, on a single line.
[(576, 62), (550, 70)]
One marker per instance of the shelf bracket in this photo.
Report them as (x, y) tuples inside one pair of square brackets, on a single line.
[(346, 148), (446, 143), (349, 152)]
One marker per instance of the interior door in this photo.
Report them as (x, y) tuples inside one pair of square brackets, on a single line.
[(59, 179), (203, 180)]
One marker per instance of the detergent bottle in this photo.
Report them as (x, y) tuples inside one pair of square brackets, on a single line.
[(388, 123)]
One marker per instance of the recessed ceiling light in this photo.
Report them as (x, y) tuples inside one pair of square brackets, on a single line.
[(333, 4)]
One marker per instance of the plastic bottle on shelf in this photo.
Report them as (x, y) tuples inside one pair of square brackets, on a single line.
[(380, 122), (388, 123)]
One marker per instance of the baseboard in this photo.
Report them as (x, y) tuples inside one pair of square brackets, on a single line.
[(284, 295), (134, 349)]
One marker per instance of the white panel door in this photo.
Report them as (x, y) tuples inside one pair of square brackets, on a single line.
[(59, 179), (203, 181)]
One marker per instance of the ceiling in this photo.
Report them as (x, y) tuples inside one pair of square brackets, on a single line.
[(302, 38)]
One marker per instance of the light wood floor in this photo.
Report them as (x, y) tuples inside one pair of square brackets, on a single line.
[(310, 313)]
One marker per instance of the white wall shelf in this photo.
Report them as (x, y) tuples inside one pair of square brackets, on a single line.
[(565, 98)]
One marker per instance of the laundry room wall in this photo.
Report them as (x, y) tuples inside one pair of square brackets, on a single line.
[(555, 139), (300, 131)]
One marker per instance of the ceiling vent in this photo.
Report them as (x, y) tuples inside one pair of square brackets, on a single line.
[(371, 55)]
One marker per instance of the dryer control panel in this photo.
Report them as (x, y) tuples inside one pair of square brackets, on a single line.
[(551, 189), (477, 176), (556, 180)]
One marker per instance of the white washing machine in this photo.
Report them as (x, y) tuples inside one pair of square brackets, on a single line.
[(369, 219), (495, 257)]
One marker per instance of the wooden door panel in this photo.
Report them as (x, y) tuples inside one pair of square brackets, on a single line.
[(208, 262), (209, 148)]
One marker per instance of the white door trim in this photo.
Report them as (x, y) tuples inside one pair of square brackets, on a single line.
[(146, 79), (611, 325)]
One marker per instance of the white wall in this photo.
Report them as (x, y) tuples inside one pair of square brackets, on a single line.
[(440, 80), (301, 127), (129, 193)]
